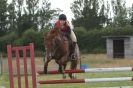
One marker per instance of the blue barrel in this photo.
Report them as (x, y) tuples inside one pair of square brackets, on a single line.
[(84, 66)]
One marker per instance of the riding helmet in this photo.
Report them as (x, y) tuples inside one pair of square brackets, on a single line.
[(62, 17)]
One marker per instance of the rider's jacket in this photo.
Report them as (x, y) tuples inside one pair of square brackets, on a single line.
[(58, 26)]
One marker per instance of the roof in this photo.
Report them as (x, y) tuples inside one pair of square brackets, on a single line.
[(122, 36)]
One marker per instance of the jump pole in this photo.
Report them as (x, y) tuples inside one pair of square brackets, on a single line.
[(92, 70), (87, 80)]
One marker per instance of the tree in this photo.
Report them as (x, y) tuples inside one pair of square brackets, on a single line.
[(12, 16), (19, 14), (3, 17), (45, 14), (131, 22), (87, 12), (120, 12), (31, 10), (32, 15)]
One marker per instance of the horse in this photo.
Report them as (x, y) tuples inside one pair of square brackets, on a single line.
[(59, 48)]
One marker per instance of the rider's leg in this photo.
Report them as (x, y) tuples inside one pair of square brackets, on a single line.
[(74, 42)]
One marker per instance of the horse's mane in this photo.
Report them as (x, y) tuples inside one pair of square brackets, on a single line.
[(49, 37), (51, 34)]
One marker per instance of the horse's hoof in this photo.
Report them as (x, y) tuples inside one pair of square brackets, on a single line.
[(60, 71), (45, 72), (64, 76), (74, 76)]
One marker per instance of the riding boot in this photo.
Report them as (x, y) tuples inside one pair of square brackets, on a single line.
[(73, 50)]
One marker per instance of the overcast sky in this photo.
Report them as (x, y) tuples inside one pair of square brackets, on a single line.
[(65, 6)]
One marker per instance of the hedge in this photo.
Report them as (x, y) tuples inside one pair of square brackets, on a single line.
[(89, 41)]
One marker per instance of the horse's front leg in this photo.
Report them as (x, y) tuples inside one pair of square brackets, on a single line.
[(48, 59), (63, 67), (60, 69), (46, 66)]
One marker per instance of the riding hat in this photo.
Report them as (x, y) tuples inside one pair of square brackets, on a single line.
[(62, 17)]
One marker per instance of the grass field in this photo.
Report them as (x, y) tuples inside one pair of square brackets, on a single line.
[(92, 60)]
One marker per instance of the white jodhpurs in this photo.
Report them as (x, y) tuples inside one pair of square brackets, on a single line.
[(73, 36)]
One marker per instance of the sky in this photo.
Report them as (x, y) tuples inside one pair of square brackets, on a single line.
[(65, 6)]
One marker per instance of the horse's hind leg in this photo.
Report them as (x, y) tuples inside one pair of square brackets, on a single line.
[(73, 67), (60, 66)]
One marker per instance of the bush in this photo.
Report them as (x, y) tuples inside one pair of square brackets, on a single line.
[(34, 37), (7, 39), (89, 41)]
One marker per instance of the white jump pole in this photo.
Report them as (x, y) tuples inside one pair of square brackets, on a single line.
[(109, 69), (92, 70), (89, 80), (109, 79)]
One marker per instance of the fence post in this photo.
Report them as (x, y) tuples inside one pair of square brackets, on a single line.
[(16, 50), (11, 79)]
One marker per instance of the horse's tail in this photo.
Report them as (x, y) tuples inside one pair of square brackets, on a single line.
[(79, 55), (44, 55), (80, 63)]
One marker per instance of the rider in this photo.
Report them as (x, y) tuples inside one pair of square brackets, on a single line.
[(64, 26)]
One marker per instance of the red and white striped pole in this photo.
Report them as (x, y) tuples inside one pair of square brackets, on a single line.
[(87, 80), (93, 70)]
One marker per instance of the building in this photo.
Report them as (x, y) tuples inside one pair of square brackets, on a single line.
[(119, 46)]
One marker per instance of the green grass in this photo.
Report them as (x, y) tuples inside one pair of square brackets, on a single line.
[(4, 80)]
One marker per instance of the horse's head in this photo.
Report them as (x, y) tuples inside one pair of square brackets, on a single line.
[(49, 40), (55, 41)]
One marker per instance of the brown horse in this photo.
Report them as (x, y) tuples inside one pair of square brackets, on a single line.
[(58, 47)]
